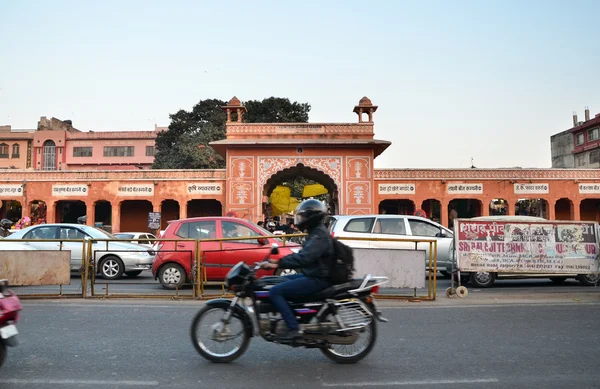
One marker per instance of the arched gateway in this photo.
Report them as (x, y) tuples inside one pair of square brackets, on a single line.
[(338, 156)]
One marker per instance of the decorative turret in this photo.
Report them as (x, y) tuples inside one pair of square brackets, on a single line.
[(365, 106), (235, 106)]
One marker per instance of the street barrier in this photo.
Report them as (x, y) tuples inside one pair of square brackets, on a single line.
[(46, 267)]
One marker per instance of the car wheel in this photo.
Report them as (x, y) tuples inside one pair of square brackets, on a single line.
[(111, 268), (285, 272), (482, 279), (558, 280), (589, 279), (172, 276), (134, 273)]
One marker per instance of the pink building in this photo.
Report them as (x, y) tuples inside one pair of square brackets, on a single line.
[(57, 145)]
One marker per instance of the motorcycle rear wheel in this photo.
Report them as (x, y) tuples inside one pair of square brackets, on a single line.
[(208, 349), (345, 354)]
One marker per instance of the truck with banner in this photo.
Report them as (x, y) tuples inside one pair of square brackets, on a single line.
[(489, 248)]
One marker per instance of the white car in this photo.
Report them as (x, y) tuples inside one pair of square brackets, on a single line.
[(14, 246), (113, 257), (137, 237)]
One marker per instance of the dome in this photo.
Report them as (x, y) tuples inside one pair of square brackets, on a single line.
[(365, 101), (234, 102)]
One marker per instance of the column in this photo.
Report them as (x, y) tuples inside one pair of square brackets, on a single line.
[(444, 213), (90, 213), (50, 212), (156, 207), (182, 209), (116, 217), (551, 214), (576, 209), (485, 207)]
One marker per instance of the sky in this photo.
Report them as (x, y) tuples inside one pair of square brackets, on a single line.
[(454, 80)]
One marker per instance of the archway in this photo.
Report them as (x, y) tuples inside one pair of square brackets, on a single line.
[(103, 213), (169, 210), (67, 211), (564, 210), (589, 210), (397, 207), (463, 208), (498, 207), (207, 207), (11, 210), (134, 215), (532, 207), (296, 176), (432, 208)]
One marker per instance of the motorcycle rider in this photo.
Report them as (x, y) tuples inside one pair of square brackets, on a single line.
[(5, 225), (314, 259)]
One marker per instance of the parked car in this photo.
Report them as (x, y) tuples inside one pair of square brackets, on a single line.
[(395, 227), (14, 246), (143, 238), (486, 279), (112, 262), (174, 260)]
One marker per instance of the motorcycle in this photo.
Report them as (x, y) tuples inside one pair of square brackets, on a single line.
[(10, 306), (339, 321)]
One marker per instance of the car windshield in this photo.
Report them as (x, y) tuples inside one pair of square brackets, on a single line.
[(124, 236), (267, 233), (97, 233)]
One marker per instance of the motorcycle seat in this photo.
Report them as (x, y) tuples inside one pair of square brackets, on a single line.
[(330, 292)]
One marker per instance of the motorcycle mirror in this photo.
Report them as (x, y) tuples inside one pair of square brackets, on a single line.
[(274, 249)]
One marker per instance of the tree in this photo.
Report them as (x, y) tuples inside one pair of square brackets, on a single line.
[(185, 145)]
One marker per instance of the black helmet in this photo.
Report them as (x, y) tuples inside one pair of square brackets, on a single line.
[(309, 214), (6, 224), (82, 219)]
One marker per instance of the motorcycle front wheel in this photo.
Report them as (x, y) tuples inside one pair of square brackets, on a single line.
[(352, 353), (216, 340)]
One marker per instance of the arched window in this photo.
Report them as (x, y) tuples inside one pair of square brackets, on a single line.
[(49, 155), (16, 150), (3, 150)]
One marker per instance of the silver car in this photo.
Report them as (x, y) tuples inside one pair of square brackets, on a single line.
[(395, 227), (112, 262)]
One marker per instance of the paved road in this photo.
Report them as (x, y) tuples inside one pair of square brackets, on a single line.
[(146, 285), (129, 344)]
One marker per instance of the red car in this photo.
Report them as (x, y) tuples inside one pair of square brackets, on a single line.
[(174, 260)]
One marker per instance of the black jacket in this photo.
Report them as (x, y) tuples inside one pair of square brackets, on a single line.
[(315, 257)]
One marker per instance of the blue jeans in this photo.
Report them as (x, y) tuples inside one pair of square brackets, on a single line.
[(297, 285)]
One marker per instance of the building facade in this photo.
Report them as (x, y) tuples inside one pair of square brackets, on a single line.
[(259, 157), (579, 146)]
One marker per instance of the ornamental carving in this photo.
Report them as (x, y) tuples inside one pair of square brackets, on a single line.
[(241, 167), (358, 168), (331, 166), (359, 193), (241, 192)]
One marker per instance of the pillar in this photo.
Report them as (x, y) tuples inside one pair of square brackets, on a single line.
[(116, 217), (576, 209), (156, 207), (444, 212), (551, 209), (90, 213), (50, 212), (485, 207), (183, 204)]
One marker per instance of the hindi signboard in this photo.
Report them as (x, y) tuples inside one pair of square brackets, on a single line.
[(465, 189), (133, 190), (70, 190), (527, 247), (531, 188), (11, 190), (154, 220), (204, 188), (591, 188), (397, 189)]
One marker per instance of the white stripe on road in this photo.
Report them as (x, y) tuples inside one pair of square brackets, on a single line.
[(75, 382), (405, 383)]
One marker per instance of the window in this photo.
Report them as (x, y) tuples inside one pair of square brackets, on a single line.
[(150, 151), (41, 233), (594, 156), (593, 134), (580, 160), (82, 151), (3, 150), (71, 233), (421, 228), (16, 150), (579, 139), (118, 151), (198, 230), (392, 226), (235, 230), (49, 155), (364, 225)]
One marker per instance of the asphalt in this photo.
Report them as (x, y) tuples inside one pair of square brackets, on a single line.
[(477, 342)]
